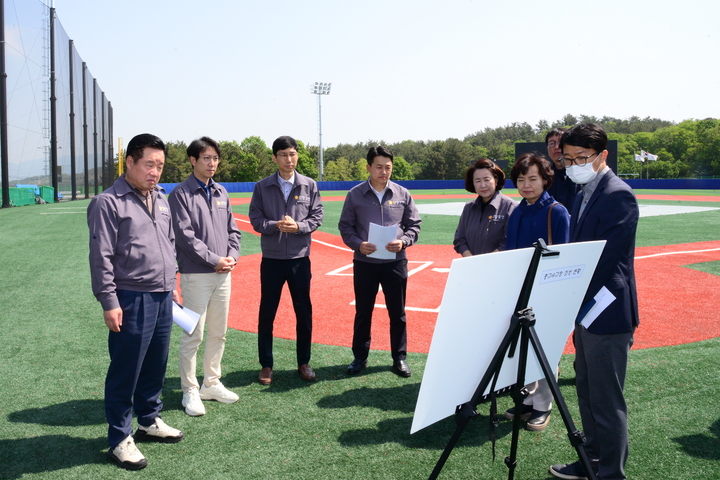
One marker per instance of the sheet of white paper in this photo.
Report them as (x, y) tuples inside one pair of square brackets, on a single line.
[(381, 236), (602, 300), (185, 318)]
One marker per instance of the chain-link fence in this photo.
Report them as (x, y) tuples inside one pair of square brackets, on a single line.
[(56, 119)]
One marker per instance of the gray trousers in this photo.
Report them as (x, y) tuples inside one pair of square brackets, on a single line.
[(601, 364)]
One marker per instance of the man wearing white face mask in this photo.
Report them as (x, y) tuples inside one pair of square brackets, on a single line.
[(605, 209)]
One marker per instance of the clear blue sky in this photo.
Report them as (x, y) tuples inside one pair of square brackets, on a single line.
[(400, 69)]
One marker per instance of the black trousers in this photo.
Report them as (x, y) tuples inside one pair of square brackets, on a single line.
[(273, 275), (366, 280)]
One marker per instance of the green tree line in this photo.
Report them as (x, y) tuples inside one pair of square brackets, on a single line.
[(688, 149)]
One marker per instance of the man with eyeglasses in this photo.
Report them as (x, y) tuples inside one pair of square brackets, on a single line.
[(208, 246), (562, 189), (606, 209), (285, 209)]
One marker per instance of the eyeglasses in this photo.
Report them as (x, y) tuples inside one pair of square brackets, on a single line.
[(579, 161), (208, 159), (553, 143), (287, 155)]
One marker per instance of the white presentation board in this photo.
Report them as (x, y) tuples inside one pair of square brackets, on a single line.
[(477, 305)]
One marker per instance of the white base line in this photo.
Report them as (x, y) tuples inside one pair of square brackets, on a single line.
[(677, 253)]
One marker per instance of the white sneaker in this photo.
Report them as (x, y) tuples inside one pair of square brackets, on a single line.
[(158, 432), (192, 403), (127, 455), (218, 392)]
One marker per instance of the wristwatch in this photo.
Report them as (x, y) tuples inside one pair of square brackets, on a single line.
[(405, 244)]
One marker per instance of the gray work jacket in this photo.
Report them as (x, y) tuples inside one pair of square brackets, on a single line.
[(131, 248), (205, 230), (362, 208), (268, 206), (483, 231)]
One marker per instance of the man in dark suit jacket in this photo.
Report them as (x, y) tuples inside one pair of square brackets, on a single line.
[(605, 209)]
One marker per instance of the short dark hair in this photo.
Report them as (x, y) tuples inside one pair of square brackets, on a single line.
[(139, 143), (586, 135), (490, 165), (527, 160), (200, 145), (282, 143), (379, 151), (555, 132)]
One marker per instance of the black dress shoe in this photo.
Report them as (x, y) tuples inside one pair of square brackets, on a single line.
[(538, 421), (356, 366), (401, 368)]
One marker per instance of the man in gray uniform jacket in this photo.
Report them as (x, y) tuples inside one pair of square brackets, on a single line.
[(285, 209), (384, 203), (132, 268), (208, 246)]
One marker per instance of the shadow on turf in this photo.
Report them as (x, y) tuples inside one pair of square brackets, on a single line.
[(285, 379), (702, 445), (49, 453), (74, 413)]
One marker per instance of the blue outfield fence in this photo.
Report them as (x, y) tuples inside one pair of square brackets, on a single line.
[(661, 184)]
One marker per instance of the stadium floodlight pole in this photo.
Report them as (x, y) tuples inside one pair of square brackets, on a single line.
[(320, 89)]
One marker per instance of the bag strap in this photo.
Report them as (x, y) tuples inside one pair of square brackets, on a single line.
[(550, 223)]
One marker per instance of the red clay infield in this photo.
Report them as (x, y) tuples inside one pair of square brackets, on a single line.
[(677, 304)]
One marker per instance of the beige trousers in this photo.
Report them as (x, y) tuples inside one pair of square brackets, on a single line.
[(209, 295)]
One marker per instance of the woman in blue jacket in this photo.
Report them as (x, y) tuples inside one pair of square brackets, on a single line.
[(537, 216)]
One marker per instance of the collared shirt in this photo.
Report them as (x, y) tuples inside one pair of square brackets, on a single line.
[(379, 194), (361, 208), (589, 188), (481, 228), (286, 185), (205, 187), (204, 231), (267, 207), (131, 248)]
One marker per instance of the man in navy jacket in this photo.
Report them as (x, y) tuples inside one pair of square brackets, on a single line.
[(605, 209)]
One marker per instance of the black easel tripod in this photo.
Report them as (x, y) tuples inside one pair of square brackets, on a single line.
[(522, 329)]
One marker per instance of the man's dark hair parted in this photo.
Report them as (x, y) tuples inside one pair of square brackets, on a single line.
[(526, 160), (141, 142), (554, 132), (199, 145), (282, 143), (490, 165), (586, 135), (379, 151)]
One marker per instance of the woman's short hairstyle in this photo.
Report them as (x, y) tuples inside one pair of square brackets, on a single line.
[(526, 160), (490, 165)]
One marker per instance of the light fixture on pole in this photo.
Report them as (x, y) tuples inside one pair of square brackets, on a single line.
[(320, 89)]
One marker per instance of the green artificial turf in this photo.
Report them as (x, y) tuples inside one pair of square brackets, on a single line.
[(53, 346)]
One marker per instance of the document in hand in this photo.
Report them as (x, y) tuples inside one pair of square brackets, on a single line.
[(381, 236), (185, 318)]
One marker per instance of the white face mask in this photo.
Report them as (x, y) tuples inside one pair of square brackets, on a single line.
[(581, 175)]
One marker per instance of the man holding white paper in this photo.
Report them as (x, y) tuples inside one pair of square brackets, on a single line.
[(379, 260), (133, 271), (605, 209), (208, 245)]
